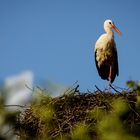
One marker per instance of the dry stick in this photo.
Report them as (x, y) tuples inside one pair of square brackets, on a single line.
[(70, 89), (32, 89), (60, 128), (126, 89), (98, 89), (114, 88), (22, 106), (76, 89), (89, 91)]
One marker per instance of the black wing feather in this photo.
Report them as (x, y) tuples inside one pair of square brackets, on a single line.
[(115, 65), (104, 68)]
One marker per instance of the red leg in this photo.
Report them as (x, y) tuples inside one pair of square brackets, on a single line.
[(110, 75)]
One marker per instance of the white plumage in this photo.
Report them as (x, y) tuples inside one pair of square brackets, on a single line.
[(106, 57)]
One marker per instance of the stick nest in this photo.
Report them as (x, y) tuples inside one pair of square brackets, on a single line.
[(58, 117)]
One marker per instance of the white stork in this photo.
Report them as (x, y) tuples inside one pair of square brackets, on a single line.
[(106, 57)]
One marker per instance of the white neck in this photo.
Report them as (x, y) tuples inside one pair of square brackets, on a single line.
[(109, 33)]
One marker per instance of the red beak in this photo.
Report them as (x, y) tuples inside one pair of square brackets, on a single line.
[(116, 29)]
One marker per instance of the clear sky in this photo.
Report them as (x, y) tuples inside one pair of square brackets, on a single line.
[(55, 39)]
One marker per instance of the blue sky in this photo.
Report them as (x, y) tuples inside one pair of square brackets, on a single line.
[(55, 39)]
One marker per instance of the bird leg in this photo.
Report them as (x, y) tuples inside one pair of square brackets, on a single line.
[(110, 75), (109, 78)]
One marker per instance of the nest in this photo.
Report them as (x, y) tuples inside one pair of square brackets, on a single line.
[(68, 110)]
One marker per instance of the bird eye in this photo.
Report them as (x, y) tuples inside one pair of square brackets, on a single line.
[(109, 22)]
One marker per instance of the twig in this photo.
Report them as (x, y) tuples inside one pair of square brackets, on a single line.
[(76, 89), (32, 89), (70, 89), (98, 89), (126, 89), (22, 106), (114, 89), (89, 91), (42, 90)]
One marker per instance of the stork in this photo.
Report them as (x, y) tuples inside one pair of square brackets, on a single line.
[(106, 57)]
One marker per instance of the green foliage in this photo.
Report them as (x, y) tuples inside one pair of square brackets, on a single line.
[(76, 116), (80, 131), (135, 86), (110, 126), (131, 84), (41, 106)]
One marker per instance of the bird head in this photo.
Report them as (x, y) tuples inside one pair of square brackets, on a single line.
[(109, 25)]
